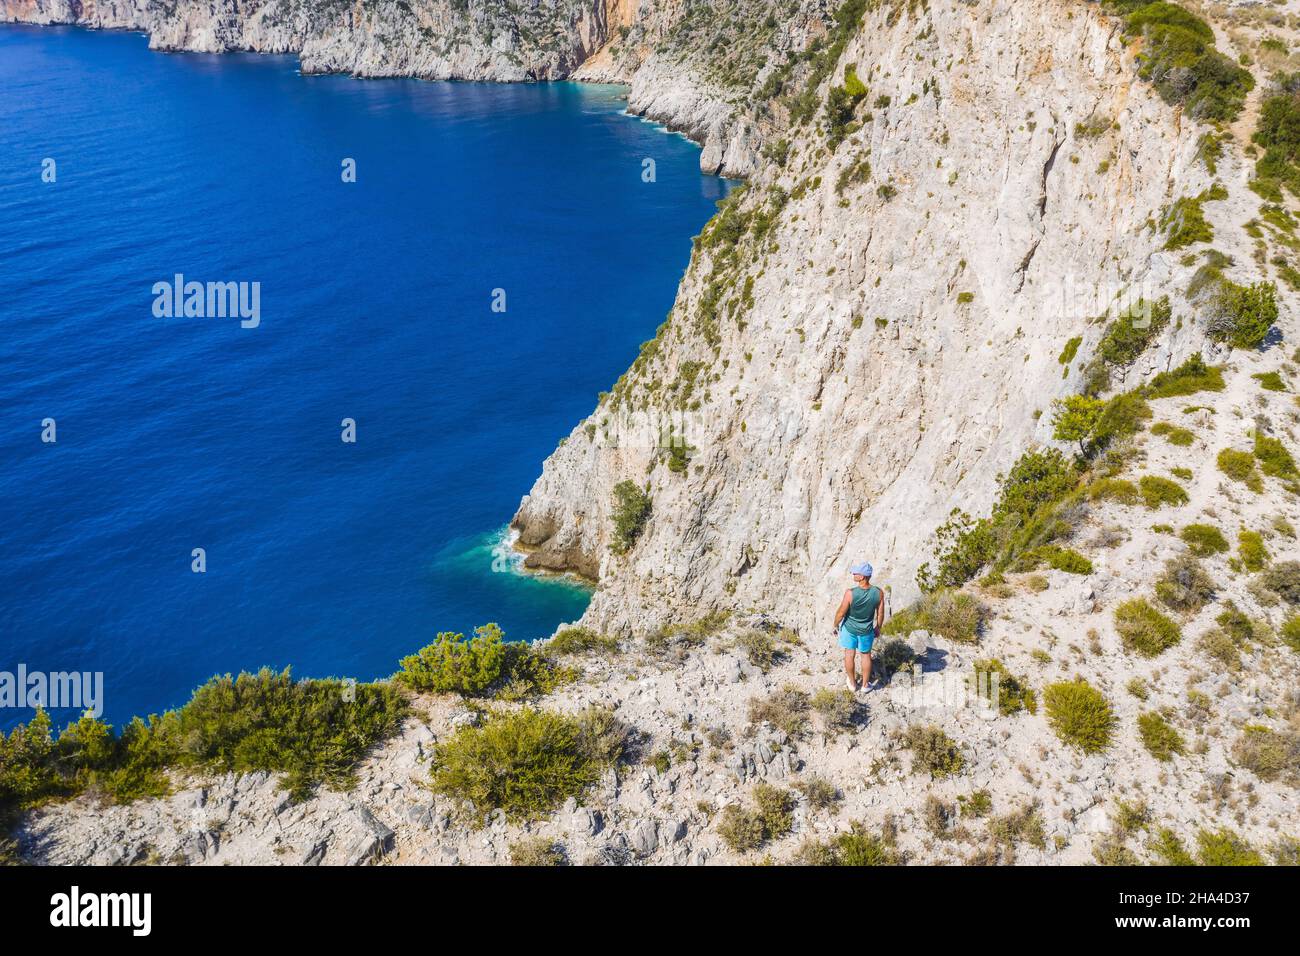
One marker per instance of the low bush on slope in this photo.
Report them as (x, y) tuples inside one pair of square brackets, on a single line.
[(857, 847), (481, 664), (954, 615), (313, 731), (1144, 629), (526, 762), (1278, 133), (1080, 715), (1159, 737)]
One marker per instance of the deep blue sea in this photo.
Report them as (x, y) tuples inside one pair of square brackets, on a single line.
[(375, 304)]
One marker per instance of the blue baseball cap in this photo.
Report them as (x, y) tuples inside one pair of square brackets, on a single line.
[(863, 568)]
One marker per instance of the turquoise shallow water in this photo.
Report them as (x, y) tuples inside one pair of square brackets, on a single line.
[(374, 304)]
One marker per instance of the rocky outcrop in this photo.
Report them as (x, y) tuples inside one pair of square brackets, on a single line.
[(874, 335), (596, 40), (432, 39)]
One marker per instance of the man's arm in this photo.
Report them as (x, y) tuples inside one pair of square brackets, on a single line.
[(845, 602), (880, 612)]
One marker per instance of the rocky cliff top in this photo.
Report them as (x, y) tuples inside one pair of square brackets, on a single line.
[(953, 213)]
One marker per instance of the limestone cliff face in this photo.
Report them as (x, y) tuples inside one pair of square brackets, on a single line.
[(655, 45), (434, 39), (869, 335), (872, 337)]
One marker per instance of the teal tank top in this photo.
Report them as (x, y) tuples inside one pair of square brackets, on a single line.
[(862, 611)]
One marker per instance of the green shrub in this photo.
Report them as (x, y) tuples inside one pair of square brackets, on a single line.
[(775, 809), (1278, 132), (1014, 693), (1204, 540), (838, 708), (312, 732), (27, 765), (1251, 550), (1243, 315), (1290, 632), (536, 851), (1169, 849), (526, 762), (1184, 586), (1179, 58), (933, 751), (786, 709), (1113, 489), (1144, 629), (1240, 466), (1157, 492), (308, 730), (1173, 434), (571, 641), (1189, 378), (1122, 417), (1079, 714), (841, 102), (1070, 351), (1225, 848), (740, 828), (819, 791), (1269, 754), (1218, 645), (632, 508), (1024, 825), (955, 615), (1283, 579), (894, 655), (1075, 418), (977, 805), (1184, 222), (1238, 625), (530, 673), (1055, 557), (854, 848), (759, 647), (1126, 337), (744, 829), (1274, 458), (1025, 515), (452, 664), (1270, 381), (1158, 736)]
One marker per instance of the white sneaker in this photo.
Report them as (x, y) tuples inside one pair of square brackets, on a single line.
[(850, 683)]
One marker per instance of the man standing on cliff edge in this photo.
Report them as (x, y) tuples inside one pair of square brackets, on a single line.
[(857, 622)]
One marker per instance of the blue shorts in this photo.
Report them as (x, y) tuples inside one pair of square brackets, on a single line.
[(856, 642)]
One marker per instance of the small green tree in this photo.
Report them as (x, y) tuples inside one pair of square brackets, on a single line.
[(452, 664), (1075, 419), (631, 512), (1244, 314)]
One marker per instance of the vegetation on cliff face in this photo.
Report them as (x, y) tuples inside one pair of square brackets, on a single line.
[(1278, 132), (632, 507), (1179, 58)]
